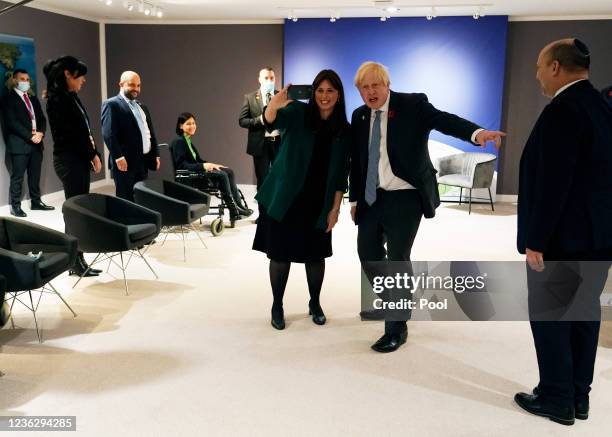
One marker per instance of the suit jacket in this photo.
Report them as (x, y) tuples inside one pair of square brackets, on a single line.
[(565, 189), (411, 118), (69, 128), (183, 159), (249, 118), (288, 173), (16, 123), (123, 137)]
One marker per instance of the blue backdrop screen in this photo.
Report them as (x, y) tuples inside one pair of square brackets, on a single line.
[(457, 61)]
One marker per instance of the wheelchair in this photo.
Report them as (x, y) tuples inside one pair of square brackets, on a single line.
[(201, 182)]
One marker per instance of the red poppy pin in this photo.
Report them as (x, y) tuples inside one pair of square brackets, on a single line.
[(391, 114)]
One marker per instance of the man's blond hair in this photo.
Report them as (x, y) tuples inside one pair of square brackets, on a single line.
[(379, 71)]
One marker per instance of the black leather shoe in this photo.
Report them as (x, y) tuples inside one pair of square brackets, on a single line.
[(582, 409), (318, 317), (80, 268), (538, 405), (372, 315), (245, 212), (278, 318), (41, 206), (17, 211), (390, 342)]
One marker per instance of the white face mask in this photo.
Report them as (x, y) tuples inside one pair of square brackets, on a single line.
[(23, 86)]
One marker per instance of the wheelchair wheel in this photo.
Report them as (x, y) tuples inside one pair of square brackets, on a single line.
[(217, 227)]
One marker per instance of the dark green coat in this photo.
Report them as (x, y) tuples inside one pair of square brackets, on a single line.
[(287, 175)]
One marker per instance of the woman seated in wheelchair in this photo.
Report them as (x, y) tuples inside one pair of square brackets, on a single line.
[(186, 157)]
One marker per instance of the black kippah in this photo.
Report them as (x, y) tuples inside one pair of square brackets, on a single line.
[(582, 48)]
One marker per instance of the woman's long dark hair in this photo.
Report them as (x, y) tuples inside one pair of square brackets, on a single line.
[(54, 72), (182, 118), (338, 121)]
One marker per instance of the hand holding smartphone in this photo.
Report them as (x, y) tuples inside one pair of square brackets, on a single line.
[(299, 92)]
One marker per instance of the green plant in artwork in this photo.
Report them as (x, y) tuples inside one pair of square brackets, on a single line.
[(9, 54)]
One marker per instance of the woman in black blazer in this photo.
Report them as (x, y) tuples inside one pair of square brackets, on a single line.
[(74, 150), (187, 157)]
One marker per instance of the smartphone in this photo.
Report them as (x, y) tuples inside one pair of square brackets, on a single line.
[(299, 92)]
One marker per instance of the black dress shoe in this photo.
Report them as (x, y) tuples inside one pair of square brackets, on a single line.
[(372, 315), (540, 406), (41, 206), (245, 212), (318, 317), (17, 211), (390, 342), (84, 273), (278, 318), (582, 409)]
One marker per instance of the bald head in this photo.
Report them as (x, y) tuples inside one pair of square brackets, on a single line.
[(562, 62), (129, 83)]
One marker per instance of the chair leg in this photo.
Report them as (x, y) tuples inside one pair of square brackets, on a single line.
[(61, 297), (86, 270), (34, 314), (147, 263), (184, 245), (460, 194), (123, 267), (491, 199), (470, 207), (198, 234), (13, 303)]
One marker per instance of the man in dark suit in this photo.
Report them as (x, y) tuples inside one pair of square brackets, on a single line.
[(564, 216), (128, 132), (24, 126), (261, 145), (607, 94), (392, 179)]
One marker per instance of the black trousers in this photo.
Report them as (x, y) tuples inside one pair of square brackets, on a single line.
[(30, 162), (393, 219), (565, 311), (125, 181), (226, 181), (74, 174), (264, 161)]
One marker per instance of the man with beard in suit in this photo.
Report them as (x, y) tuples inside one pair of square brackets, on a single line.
[(128, 132)]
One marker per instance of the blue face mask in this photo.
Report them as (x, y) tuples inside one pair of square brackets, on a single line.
[(268, 87), (23, 86)]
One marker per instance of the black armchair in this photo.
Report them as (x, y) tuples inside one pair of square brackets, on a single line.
[(179, 205), (109, 226), (5, 313), (24, 273)]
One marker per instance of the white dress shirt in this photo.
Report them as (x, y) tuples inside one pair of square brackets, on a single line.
[(386, 179), (563, 88), (21, 93), (264, 101), (146, 145)]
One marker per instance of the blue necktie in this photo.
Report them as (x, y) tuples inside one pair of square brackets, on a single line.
[(140, 121), (373, 158)]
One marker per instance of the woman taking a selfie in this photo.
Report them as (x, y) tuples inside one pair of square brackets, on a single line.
[(301, 195)]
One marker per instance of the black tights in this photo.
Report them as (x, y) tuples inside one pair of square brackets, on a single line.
[(279, 273)]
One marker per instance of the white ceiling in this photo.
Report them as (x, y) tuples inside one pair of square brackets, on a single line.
[(270, 10)]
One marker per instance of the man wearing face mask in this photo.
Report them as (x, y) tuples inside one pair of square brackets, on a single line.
[(24, 126), (128, 133), (262, 146)]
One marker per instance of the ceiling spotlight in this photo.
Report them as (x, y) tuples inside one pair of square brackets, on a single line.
[(481, 11), (292, 16), (109, 2), (160, 13), (433, 14), (383, 18), (476, 16), (335, 16), (147, 11), (130, 7), (332, 19), (391, 9)]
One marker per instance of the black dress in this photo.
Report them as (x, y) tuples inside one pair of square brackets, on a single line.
[(295, 238)]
